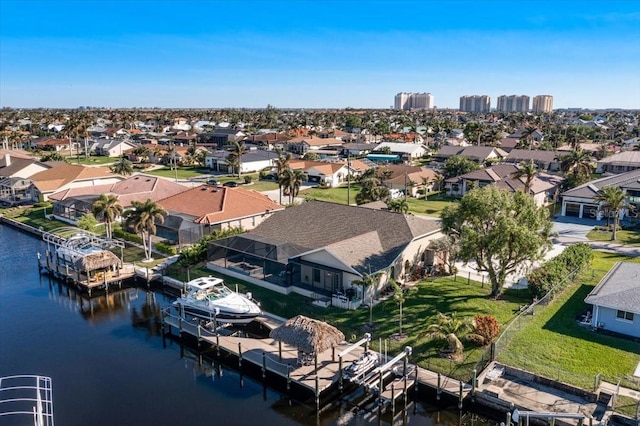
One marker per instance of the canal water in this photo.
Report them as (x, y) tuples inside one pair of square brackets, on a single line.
[(109, 365)]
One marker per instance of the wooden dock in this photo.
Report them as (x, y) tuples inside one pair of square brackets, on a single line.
[(80, 279), (322, 375)]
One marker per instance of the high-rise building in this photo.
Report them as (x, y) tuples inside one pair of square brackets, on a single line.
[(513, 103), (407, 101), (475, 103), (543, 103)]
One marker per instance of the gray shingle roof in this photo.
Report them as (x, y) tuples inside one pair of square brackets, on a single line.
[(361, 235), (619, 289), (629, 180)]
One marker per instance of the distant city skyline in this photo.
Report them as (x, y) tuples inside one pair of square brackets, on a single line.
[(316, 54)]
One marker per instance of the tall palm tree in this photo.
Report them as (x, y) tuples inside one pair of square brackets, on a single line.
[(449, 328), (399, 205), (291, 181), (123, 167), (143, 219), (527, 135), (107, 208), (235, 156), (527, 170), (613, 200), (368, 281), (281, 163)]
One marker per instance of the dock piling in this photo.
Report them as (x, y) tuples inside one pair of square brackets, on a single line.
[(460, 396), (393, 399), (280, 350), (439, 390), (264, 365), (239, 355), (317, 394)]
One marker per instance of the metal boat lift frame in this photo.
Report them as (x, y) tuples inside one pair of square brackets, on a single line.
[(30, 396)]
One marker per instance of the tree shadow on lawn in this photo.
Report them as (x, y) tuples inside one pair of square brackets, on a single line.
[(564, 322)]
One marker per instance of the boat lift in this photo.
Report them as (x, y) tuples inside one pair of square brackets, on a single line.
[(522, 417), (27, 398), (364, 341), (377, 383)]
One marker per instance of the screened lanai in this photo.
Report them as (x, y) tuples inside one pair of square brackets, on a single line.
[(256, 256)]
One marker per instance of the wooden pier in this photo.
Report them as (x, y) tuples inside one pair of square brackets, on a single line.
[(324, 375), (82, 281)]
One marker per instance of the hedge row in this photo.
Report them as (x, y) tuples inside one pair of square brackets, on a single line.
[(555, 272), (166, 248), (118, 232)]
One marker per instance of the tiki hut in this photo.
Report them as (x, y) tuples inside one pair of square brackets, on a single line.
[(102, 261), (310, 336)]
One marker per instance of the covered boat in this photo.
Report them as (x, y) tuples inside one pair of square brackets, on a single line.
[(362, 365), (208, 298)]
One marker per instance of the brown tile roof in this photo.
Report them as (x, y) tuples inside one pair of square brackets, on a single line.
[(210, 204), (17, 165), (139, 187), (63, 173), (14, 153)]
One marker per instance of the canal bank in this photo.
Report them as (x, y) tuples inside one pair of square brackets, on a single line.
[(509, 396)]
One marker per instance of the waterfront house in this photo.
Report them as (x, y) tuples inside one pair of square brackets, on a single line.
[(71, 203), (581, 201), (318, 249), (406, 152), (616, 300), (63, 175), (200, 211), (17, 166)]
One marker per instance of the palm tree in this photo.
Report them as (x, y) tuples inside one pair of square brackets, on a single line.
[(123, 167), (368, 281), (449, 328), (527, 135), (235, 156), (613, 199), (291, 181), (398, 296), (399, 205), (281, 163), (576, 161), (528, 171), (107, 208), (143, 219)]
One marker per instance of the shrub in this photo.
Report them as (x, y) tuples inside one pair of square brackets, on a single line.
[(118, 232), (555, 272), (248, 179), (487, 327), (166, 248)]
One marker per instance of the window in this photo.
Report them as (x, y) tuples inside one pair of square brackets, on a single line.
[(316, 275), (626, 316)]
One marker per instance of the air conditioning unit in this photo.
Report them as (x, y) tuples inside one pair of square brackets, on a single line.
[(600, 325)]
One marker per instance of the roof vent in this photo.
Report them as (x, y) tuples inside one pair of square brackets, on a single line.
[(204, 188)]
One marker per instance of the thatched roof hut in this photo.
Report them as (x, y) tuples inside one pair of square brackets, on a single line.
[(307, 334), (99, 260)]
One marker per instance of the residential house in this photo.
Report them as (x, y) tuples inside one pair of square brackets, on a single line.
[(200, 211), (302, 145), (406, 152), (344, 243), (12, 166), (253, 160), (619, 163), (112, 147), (329, 174), (412, 179), (581, 201), (357, 149), (51, 144), (62, 176), (544, 187), (71, 203), (220, 138), (616, 300), (544, 160), (479, 154)]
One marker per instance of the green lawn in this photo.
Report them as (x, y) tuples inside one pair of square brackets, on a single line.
[(435, 203), (572, 353), (423, 301), (622, 237), (333, 195), (92, 160), (35, 216)]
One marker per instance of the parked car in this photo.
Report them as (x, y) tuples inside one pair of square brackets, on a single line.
[(213, 182), (231, 184)]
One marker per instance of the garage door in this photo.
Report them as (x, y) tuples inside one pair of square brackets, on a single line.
[(572, 210)]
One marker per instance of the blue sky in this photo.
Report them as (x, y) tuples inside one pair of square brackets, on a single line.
[(314, 54)]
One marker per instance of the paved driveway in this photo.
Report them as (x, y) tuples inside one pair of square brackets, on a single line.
[(572, 228)]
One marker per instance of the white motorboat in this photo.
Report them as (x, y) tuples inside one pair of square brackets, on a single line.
[(208, 298), (362, 365), (77, 247)]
